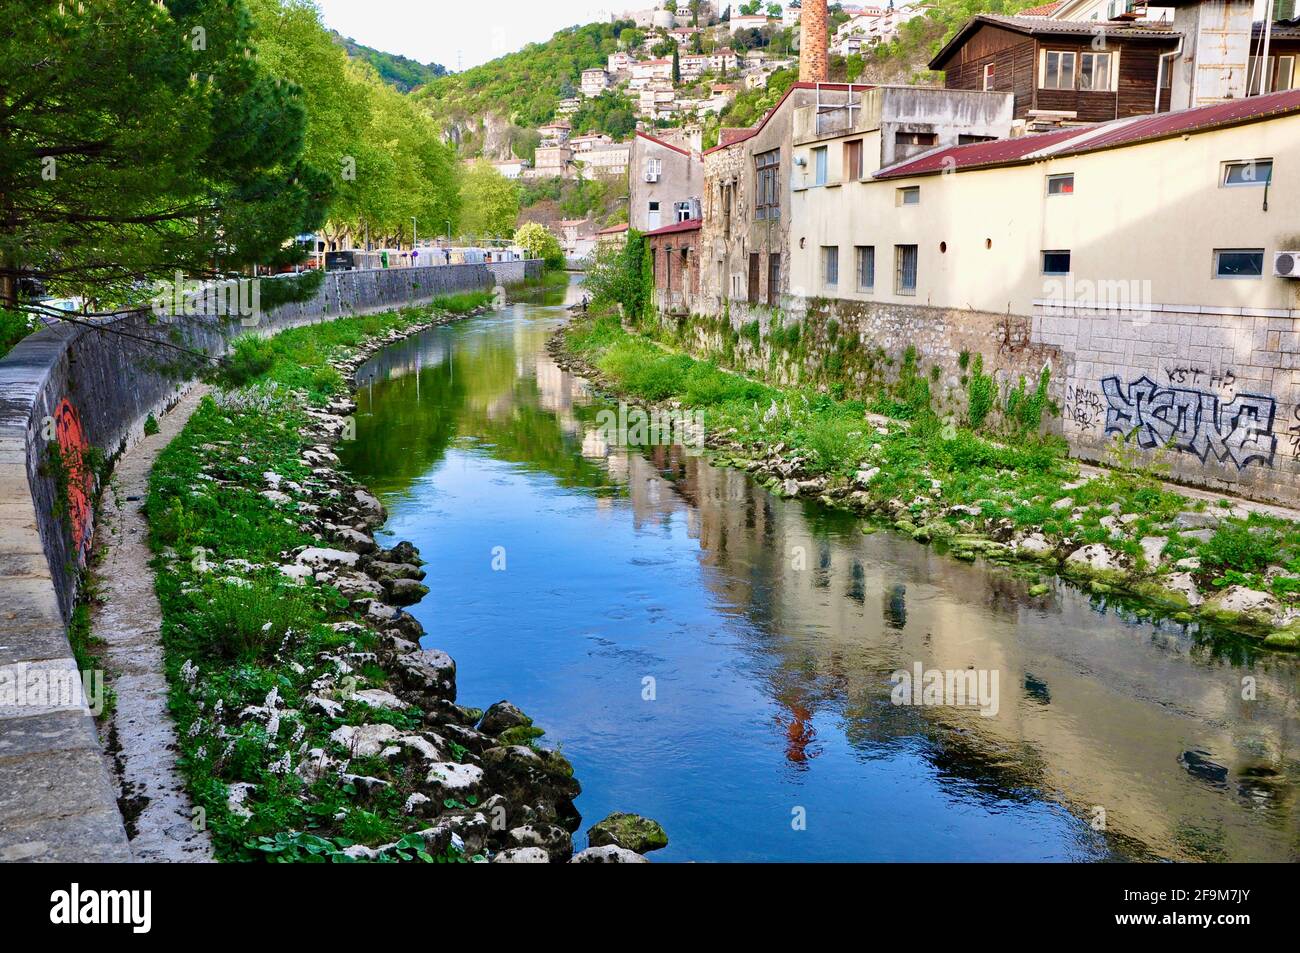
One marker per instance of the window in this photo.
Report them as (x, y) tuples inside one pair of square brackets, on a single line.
[(830, 265), (1060, 184), (683, 212), (990, 70), (726, 210), (1238, 262), (905, 269), (653, 169), (915, 138), (965, 138), (1248, 173), (773, 280), (1058, 70), (819, 166), (853, 160), (866, 267), (652, 217), (911, 195), (1056, 262), (1094, 71), (767, 192), (1280, 74), (754, 265)]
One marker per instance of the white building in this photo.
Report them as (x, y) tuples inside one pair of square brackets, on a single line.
[(754, 22), (594, 82)]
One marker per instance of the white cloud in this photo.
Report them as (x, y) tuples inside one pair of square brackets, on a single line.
[(439, 31)]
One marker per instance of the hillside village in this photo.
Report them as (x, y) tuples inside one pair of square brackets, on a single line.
[(677, 75)]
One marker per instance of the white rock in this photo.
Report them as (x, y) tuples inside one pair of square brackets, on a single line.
[(1035, 544), (608, 854), (378, 698), (1064, 503), (449, 779), (1241, 599), (1096, 557), (522, 855), (864, 477), (297, 572), (276, 497), (1182, 582), (1152, 547), (365, 741), (319, 557), (326, 706), (236, 795)]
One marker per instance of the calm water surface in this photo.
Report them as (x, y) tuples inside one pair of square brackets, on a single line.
[(770, 733)]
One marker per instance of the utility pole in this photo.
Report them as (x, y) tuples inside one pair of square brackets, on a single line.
[(412, 232)]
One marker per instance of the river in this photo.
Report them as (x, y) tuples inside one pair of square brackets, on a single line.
[(720, 659)]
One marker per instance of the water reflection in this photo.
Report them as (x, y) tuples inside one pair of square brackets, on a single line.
[(720, 659)]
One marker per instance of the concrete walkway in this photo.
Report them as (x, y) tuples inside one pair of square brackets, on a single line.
[(57, 802), (126, 615)]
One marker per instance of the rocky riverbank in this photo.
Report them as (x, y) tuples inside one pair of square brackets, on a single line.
[(314, 726), (1120, 534)]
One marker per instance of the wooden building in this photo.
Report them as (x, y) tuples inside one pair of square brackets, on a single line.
[(1058, 70)]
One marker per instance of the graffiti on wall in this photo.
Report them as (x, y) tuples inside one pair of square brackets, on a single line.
[(1192, 421), (74, 449)]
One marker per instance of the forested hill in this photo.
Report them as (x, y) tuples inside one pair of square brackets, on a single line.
[(524, 87), (399, 71)]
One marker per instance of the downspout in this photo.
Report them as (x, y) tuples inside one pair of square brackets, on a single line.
[(1264, 78), (1160, 75)]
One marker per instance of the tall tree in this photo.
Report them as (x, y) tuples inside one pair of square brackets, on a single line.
[(490, 202), (140, 138)]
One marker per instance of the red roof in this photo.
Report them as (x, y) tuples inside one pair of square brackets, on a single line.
[(1045, 10), (660, 142), (613, 229), (1092, 138), (732, 136), (690, 225)]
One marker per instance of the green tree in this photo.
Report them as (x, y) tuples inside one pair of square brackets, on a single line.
[(539, 242), (138, 139), (677, 65), (490, 202)]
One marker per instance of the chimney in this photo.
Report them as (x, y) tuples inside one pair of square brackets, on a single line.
[(814, 64)]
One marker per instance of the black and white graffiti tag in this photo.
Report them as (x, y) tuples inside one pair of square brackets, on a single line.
[(1193, 421)]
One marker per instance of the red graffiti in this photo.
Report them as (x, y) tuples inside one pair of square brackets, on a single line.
[(73, 449)]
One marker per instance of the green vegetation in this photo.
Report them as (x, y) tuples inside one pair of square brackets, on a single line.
[(612, 112), (14, 326), (525, 86), (400, 72), (198, 136), (491, 204), (541, 243), (236, 632), (621, 277)]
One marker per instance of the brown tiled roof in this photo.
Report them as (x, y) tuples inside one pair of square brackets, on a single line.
[(1040, 26)]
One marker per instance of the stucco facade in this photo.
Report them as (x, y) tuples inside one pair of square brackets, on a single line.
[(663, 178), (1115, 282)]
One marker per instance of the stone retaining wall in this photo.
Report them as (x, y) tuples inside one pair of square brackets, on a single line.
[(89, 390)]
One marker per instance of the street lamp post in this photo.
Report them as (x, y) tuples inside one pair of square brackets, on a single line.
[(412, 232)]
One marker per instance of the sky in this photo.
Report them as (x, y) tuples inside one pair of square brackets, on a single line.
[(441, 31)]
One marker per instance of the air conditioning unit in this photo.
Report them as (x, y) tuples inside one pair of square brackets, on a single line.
[(1286, 264), (652, 176)]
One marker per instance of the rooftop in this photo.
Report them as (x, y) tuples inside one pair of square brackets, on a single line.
[(1095, 137), (690, 225)]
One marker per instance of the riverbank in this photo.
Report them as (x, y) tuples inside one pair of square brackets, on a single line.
[(312, 725), (1021, 501)]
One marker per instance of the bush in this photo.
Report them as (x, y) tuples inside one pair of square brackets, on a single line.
[(1240, 547), (250, 357), (14, 326), (249, 622)]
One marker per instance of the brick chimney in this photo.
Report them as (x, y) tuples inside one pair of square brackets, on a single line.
[(814, 64)]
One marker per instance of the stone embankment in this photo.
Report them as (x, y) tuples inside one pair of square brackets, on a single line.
[(1166, 582)]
